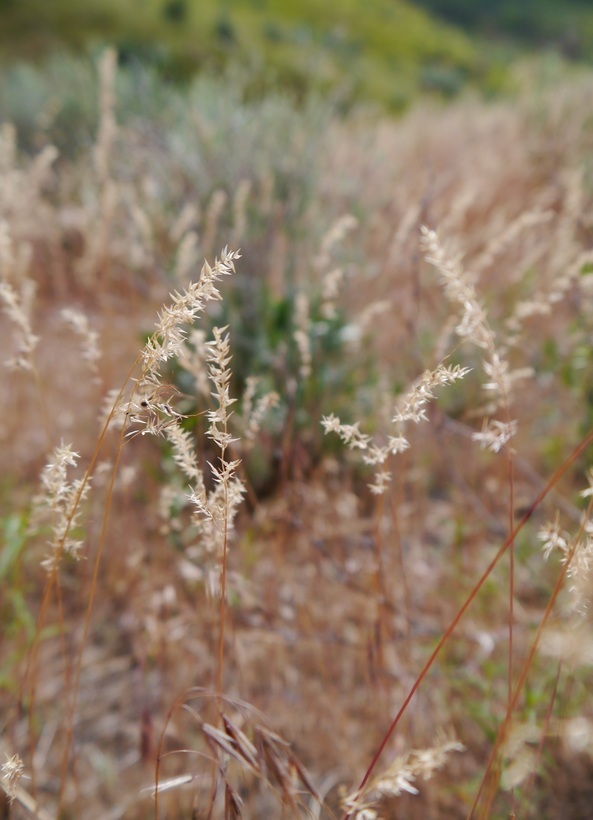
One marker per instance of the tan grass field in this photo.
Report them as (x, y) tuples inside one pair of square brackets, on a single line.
[(228, 566)]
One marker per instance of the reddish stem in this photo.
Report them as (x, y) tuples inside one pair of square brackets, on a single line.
[(511, 538)]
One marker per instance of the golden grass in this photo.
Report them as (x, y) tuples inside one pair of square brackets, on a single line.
[(253, 602)]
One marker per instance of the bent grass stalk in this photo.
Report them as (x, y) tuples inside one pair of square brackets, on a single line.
[(32, 659), (503, 245), (511, 468), (162, 345), (540, 747), (92, 590), (558, 474)]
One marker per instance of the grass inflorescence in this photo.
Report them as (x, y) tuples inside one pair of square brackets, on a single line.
[(318, 539)]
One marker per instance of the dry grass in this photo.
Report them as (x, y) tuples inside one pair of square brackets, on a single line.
[(205, 599)]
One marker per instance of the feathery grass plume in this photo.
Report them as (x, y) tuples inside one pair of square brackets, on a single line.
[(171, 331), (21, 191), (565, 238), (356, 330), (42, 166), (499, 244), (16, 250), (212, 220), (184, 455), (187, 256), (219, 357), (115, 410), (330, 288), (411, 407), (577, 734), (576, 552), (219, 507), (400, 777), (15, 259), (140, 251), (251, 383), (62, 500), (474, 327), (150, 410), (240, 199), (520, 751), (7, 260), (25, 215), (332, 277), (553, 538), (302, 334), (183, 233), (27, 341), (334, 236), (571, 642), (549, 294), (255, 410), (193, 359), (80, 325), (11, 772), (186, 223), (495, 434), (459, 288)]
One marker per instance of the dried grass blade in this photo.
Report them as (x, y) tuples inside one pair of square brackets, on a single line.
[(232, 803), (305, 777), (244, 746), (221, 740)]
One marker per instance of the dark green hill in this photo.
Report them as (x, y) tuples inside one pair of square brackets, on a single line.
[(566, 25), (382, 50)]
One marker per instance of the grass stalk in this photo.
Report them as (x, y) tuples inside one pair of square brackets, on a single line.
[(558, 474)]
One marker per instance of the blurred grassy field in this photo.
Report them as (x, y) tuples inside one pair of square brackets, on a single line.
[(336, 599), (119, 174)]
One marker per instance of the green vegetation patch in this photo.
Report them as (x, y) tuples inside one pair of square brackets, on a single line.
[(381, 50)]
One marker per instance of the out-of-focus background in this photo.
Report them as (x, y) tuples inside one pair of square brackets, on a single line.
[(326, 140)]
